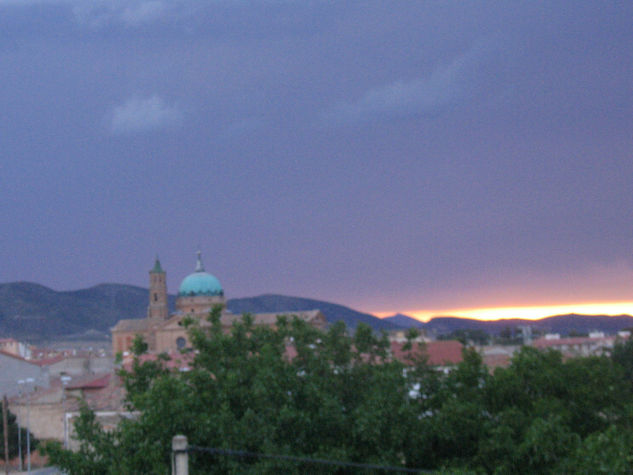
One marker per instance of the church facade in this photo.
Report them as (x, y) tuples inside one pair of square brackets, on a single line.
[(198, 293)]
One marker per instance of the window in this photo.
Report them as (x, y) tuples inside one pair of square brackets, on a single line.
[(180, 342)]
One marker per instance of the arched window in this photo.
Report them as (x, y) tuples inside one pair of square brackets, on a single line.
[(180, 342)]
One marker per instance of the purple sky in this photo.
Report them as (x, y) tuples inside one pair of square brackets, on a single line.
[(384, 155)]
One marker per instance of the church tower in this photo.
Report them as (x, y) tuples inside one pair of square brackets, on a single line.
[(158, 309)]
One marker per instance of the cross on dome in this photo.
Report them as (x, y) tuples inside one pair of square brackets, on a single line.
[(199, 265)]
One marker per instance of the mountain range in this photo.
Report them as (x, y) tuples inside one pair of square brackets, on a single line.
[(34, 312), (561, 324)]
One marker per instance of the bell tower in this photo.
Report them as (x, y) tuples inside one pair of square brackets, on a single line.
[(158, 309)]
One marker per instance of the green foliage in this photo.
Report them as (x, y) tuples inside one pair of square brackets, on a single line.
[(13, 437), (339, 397), (336, 396), (97, 451), (467, 337), (609, 452), (622, 355), (577, 333), (509, 336), (139, 346)]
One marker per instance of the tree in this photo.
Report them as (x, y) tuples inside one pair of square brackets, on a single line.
[(467, 337), (542, 407), (608, 452), (288, 389), (13, 437), (295, 390), (622, 355), (96, 452)]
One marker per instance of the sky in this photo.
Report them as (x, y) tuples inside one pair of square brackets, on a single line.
[(391, 156)]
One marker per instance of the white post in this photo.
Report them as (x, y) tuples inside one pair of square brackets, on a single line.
[(28, 434), (28, 427), (65, 380), (181, 459), (20, 383)]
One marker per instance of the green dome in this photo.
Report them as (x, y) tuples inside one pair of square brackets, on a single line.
[(200, 283)]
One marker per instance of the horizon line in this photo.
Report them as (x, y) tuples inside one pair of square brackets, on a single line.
[(519, 312)]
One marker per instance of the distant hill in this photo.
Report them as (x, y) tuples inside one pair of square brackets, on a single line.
[(443, 325), (405, 321), (333, 312), (34, 312), (562, 324)]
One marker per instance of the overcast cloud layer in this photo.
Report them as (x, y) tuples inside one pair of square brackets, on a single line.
[(384, 155)]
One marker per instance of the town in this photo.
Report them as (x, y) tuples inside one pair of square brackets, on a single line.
[(329, 237), (48, 388)]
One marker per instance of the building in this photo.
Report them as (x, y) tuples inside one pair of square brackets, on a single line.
[(401, 336), (593, 345), (442, 355), (49, 412), (15, 347), (19, 375), (198, 293), (78, 363)]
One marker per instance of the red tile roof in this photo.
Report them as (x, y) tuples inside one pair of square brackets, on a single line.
[(92, 383), (493, 361), (48, 361), (439, 353)]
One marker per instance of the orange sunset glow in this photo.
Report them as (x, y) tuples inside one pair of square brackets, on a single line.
[(532, 312)]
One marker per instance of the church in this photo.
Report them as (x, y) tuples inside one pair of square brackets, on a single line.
[(198, 293)]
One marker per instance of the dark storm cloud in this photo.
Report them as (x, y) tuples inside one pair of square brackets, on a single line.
[(468, 147)]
